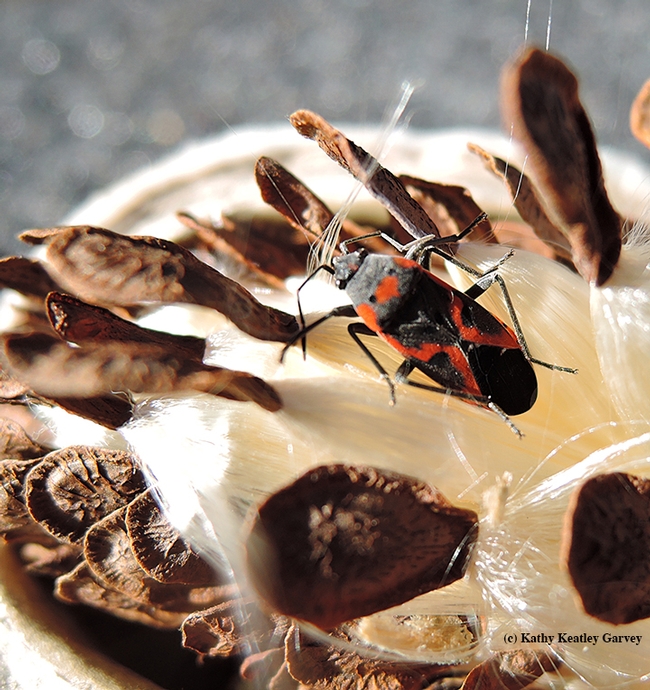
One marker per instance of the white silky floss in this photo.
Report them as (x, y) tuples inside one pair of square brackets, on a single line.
[(621, 316), (212, 459)]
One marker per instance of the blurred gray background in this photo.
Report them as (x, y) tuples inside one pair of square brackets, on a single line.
[(93, 89)]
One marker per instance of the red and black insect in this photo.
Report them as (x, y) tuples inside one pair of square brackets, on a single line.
[(439, 330)]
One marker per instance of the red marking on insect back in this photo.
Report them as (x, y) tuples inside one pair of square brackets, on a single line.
[(387, 289), (367, 313), (428, 350), (503, 337), (403, 262)]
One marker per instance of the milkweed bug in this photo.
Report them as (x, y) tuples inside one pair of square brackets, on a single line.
[(443, 332)]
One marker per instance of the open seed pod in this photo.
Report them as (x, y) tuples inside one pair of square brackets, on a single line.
[(285, 515)]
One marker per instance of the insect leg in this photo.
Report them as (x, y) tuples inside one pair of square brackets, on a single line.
[(414, 250), (355, 330), (344, 310), (482, 284), (322, 267), (406, 367), (423, 253)]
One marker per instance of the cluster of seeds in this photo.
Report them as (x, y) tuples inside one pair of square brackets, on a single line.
[(363, 539)]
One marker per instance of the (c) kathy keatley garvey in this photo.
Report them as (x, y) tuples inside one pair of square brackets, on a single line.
[(582, 638)]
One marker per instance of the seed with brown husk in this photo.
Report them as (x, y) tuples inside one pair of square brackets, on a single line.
[(15, 443), (109, 409), (80, 587), (11, 389), (606, 546), (540, 101), (450, 206), (343, 542), (321, 666), (235, 626), (290, 197), (253, 249), (79, 322), (306, 213), (110, 558), (27, 276), (159, 549), (13, 511), (379, 181), (99, 368), (105, 268), (18, 456), (527, 202), (73, 488), (511, 670)]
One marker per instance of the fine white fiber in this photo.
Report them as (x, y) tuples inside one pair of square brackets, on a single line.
[(517, 564), (213, 460), (621, 317)]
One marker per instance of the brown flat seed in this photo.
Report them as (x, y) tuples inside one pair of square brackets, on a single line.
[(30, 533), (307, 214), (323, 667), (79, 322), (57, 370), (159, 548), (107, 550), (526, 202), (14, 442), (26, 275), (233, 244), (451, 207), (363, 539), (13, 512), (231, 627), (289, 196), (379, 181), (540, 100), (80, 587), (640, 115), (108, 553), (11, 388), (510, 670), (606, 547), (52, 561), (103, 267), (111, 411), (73, 488), (261, 665)]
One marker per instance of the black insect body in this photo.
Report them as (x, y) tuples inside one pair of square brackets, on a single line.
[(441, 331)]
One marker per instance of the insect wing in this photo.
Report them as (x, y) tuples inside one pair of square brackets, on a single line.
[(496, 360), (458, 343), (424, 329)]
